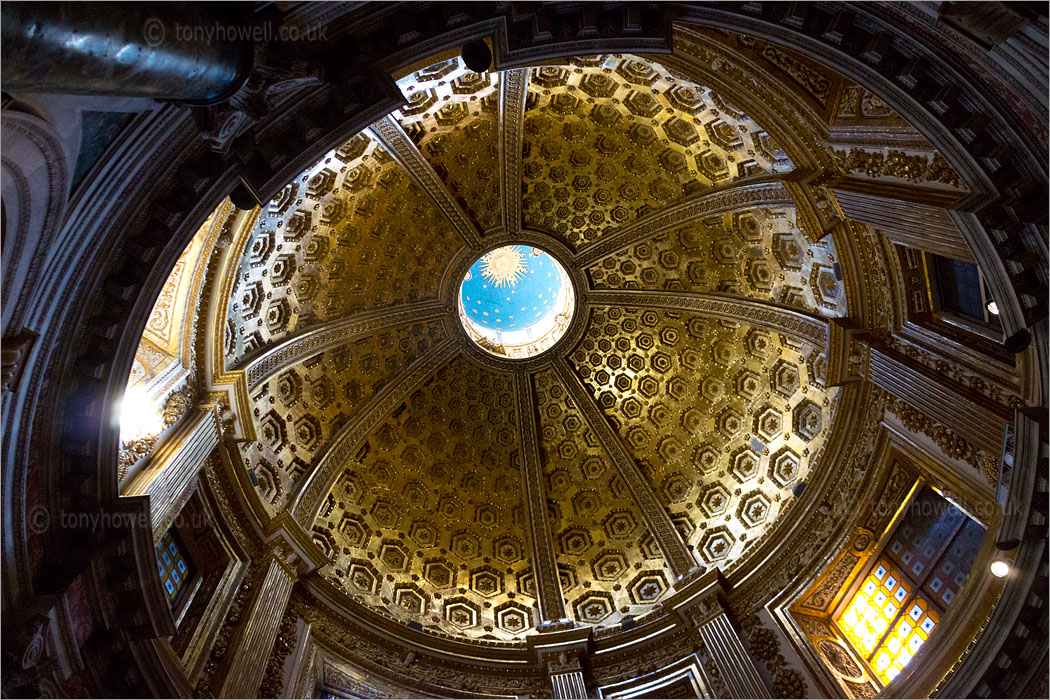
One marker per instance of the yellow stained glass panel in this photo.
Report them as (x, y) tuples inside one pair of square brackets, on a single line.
[(911, 632), (874, 607)]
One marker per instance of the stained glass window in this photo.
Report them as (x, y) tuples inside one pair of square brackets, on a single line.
[(899, 603), (174, 567), (874, 607)]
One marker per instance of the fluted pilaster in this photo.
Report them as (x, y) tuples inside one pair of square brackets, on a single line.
[(251, 648), (172, 470)]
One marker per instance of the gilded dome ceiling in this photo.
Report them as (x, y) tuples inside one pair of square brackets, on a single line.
[(667, 429)]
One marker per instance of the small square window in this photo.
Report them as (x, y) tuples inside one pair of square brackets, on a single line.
[(174, 567)]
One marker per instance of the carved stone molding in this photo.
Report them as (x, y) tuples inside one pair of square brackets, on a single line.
[(513, 90), (319, 482), (300, 347), (728, 198), (678, 557), (400, 146), (14, 354), (548, 587), (791, 322)]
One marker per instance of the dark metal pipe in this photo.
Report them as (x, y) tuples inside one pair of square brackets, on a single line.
[(159, 50)]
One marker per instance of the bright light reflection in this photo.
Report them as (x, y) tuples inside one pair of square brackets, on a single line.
[(138, 416)]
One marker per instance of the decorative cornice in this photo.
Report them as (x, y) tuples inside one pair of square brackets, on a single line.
[(767, 191), (548, 587), (513, 89), (798, 324), (349, 439), (305, 345), (397, 143), (676, 553)]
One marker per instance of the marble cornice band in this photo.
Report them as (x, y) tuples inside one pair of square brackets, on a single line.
[(397, 143), (302, 346), (679, 559), (798, 324)]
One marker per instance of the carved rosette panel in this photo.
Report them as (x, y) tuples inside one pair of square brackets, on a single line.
[(427, 523), (304, 263), (298, 410), (758, 253), (452, 117), (722, 418), (610, 138), (610, 564)]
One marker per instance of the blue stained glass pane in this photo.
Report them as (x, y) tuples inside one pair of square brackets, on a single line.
[(182, 566), (935, 584), (880, 572), (175, 576), (915, 613), (927, 625), (914, 643), (166, 559), (170, 587), (899, 595), (890, 583), (173, 549)]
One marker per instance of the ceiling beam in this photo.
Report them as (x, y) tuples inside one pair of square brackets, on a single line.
[(348, 441), (544, 565), (293, 350), (674, 549), (513, 89), (397, 143), (761, 192), (762, 314)]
